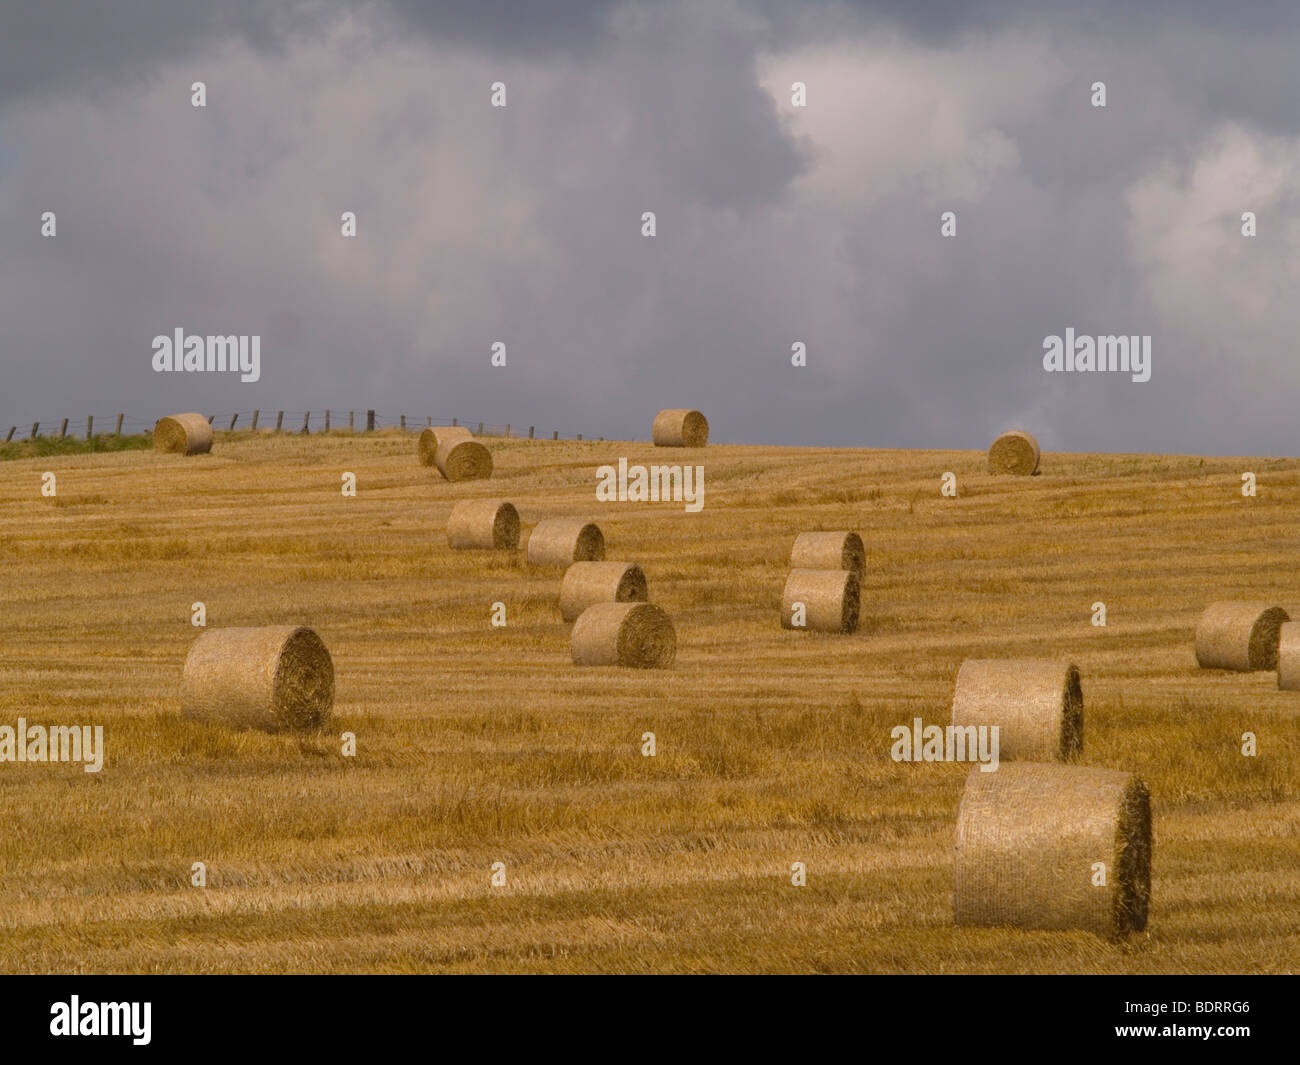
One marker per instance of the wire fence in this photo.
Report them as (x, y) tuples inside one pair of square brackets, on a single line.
[(281, 421)]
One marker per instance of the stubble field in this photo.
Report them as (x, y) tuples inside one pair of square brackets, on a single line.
[(478, 745)]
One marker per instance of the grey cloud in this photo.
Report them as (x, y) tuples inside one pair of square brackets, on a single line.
[(84, 46), (508, 27), (523, 225)]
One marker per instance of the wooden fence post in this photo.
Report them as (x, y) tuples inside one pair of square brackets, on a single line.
[(480, 429), (453, 421), (403, 423), (350, 413), (90, 426), (12, 429), (428, 422), (279, 420), (306, 418), (253, 427), (555, 434), (579, 436), (233, 418), (118, 430), (370, 421), (63, 429), (327, 419)]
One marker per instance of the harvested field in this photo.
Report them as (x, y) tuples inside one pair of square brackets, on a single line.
[(477, 744)]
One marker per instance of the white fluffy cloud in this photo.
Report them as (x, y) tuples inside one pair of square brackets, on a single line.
[(1224, 304)]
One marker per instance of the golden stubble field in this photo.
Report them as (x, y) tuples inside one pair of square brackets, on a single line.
[(478, 745)]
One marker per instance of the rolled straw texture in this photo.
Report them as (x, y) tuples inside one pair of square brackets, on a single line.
[(588, 583), (564, 541), (1239, 636), (1014, 452), (829, 550), (1288, 657), (431, 439), (273, 678), (183, 434), (1036, 703), (638, 635), (830, 599), (463, 460), (680, 428), (491, 524), (1027, 838)]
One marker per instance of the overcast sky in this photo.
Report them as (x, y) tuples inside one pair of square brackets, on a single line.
[(776, 224)]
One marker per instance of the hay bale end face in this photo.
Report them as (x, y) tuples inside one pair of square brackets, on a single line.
[(1288, 657), (1239, 636), (680, 428), (829, 598), (431, 439), (183, 434), (829, 550), (636, 635), (1029, 837), (588, 583), (463, 460), (488, 524), (1036, 703), (455, 452), (275, 678), (564, 541), (1014, 452)]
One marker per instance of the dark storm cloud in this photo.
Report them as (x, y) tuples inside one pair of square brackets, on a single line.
[(71, 45), (941, 20), (774, 225), (507, 26)]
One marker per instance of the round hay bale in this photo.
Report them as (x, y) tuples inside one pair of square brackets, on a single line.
[(1028, 836), (431, 439), (1014, 452), (273, 678), (680, 428), (829, 550), (829, 597), (1239, 636), (639, 635), (1036, 703), (588, 583), (483, 523), (463, 460), (183, 434), (564, 541), (1288, 657)]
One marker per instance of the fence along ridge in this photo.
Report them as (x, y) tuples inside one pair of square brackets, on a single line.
[(254, 421)]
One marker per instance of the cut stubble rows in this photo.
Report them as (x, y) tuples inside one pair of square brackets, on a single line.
[(478, 744)]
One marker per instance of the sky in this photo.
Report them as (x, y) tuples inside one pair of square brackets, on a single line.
[(775, 224)]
